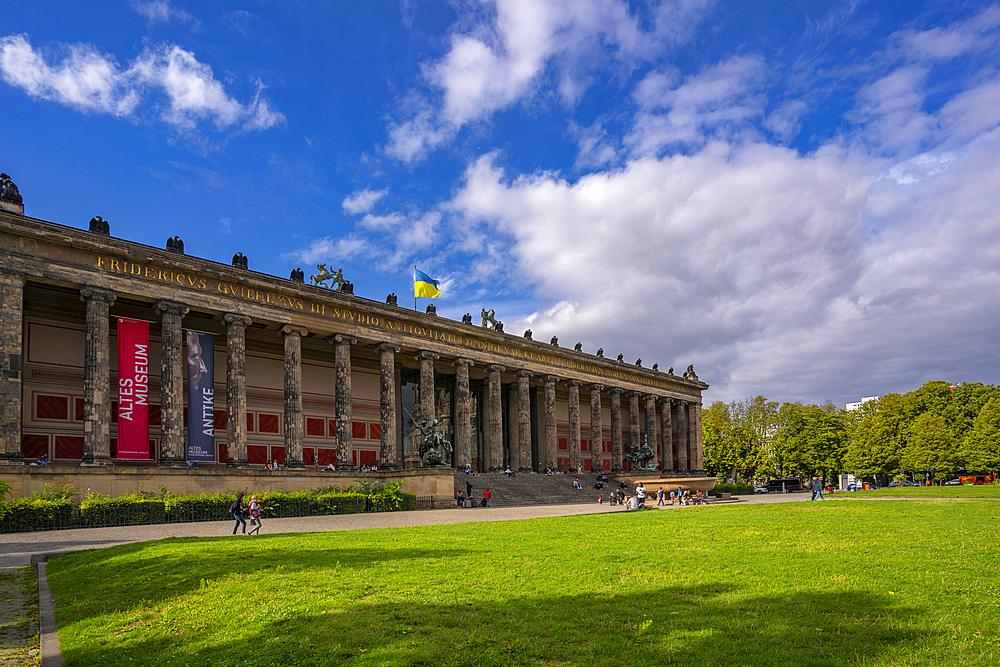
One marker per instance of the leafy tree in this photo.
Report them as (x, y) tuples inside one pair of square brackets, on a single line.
[(878, 437), (967, 400), (730, 450), (812, 440), (930, 445), (981, 449)]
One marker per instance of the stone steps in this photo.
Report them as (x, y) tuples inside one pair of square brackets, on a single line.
[(530, 488)]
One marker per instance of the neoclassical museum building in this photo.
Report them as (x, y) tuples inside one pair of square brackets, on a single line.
[(102, 341)]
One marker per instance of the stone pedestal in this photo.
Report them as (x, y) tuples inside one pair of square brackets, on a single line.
[(294, 427), (11, 327), (596, 431), (387, 404), (616, 430), (494, 420), (463, 414), (551, 441), (236, 388), (97, 369), (574, 424), (172, 440), (344, 400)]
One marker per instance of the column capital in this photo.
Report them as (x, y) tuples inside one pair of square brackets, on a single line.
[(427, 354), (343, 339), (651, 398), (636, 394), (551, 378), (496, 368), (237, 319), (171, 307), (387, 347), (573, 383), (615, 390), (596, 387), (666, 400), (525, 374), (88, 293), (462, 361), (289, 330)]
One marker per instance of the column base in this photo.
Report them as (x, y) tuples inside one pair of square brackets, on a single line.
[(294, 465), (11, 460), (173, 463)]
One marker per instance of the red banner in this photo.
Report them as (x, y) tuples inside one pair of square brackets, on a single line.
[(133, 389)]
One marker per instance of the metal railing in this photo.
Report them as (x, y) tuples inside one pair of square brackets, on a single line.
[(20, 521)]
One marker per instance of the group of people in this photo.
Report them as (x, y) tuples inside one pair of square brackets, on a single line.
[(469, 499), (638, 501), (241, 513), (273, 465), (816, 486)]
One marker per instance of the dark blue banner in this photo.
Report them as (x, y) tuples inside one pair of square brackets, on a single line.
[(201, 396)]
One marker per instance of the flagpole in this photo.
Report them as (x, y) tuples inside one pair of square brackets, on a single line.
[(414, 287)]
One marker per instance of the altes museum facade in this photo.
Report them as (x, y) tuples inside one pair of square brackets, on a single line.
[(102, 342)]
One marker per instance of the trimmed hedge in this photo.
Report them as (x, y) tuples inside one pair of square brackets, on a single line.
[(735, 489), (30, 514)]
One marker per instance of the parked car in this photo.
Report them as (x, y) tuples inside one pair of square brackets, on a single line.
[(953, 482), (759, 489)]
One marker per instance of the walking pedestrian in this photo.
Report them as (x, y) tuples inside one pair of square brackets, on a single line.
[(236, 509), (254, 516), (488, 497), (659, 497)]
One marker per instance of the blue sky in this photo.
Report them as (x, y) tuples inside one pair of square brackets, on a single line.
[(799, 198)]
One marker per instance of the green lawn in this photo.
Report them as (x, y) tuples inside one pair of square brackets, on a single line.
[(800, 584), (955, 491)]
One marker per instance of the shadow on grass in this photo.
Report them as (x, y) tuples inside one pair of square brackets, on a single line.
[(151, 579), (682, 625)]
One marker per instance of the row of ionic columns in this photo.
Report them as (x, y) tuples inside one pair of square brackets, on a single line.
[(675, 416)]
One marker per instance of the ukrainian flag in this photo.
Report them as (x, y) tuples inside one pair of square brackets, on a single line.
[(424, 285)]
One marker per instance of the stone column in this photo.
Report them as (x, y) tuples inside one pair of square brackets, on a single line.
[(574, 423), (11, 349), (666, 436), (616, 429), (494, 418), (652, 432), (344, 400), (236, 388), (96, 370), (387, 404), (682, 436), (634, 435), (294, 428), (524, 420), (463, 414), (596, 431), (551, 443), (427, 410), (172, 431), (700, 435), (694, 427)]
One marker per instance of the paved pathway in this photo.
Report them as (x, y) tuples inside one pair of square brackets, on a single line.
[(16, 548)]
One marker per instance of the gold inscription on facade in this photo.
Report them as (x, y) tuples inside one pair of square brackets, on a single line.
[(129, 268)]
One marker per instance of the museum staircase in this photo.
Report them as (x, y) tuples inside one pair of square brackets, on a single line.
[(530, 488)]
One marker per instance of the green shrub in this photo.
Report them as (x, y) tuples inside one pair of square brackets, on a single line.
[(131, 510), (26, 514), (735, 489)]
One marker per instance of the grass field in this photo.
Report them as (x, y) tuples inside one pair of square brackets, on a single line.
[(802, 584), (956, 491)]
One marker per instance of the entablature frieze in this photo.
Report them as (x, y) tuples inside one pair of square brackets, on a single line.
[(154, 275)]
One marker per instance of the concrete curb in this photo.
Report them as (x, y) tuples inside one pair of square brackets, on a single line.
[(47, 630)]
